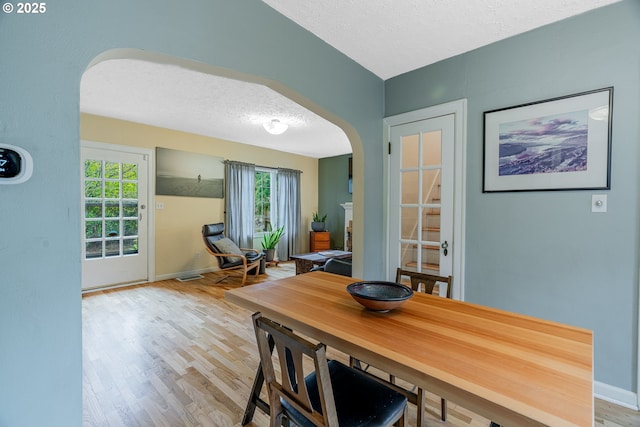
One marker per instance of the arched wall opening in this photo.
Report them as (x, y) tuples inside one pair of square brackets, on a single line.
[(349, 131)]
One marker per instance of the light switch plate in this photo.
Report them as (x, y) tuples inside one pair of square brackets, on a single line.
[(599, 203)]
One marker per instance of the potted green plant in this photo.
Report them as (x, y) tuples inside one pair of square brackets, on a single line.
[(269, 241), (318, 222)]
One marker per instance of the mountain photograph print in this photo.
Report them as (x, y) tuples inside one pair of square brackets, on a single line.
[(558, 144)]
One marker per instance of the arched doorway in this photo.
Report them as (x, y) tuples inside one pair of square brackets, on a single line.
[(157, 260)]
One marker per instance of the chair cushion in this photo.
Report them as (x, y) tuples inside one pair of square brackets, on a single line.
[(253, 256), (360, 400), (213, 231), (339, 266), (226, 246)]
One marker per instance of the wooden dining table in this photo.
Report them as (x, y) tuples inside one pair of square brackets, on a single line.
[(513, 369)]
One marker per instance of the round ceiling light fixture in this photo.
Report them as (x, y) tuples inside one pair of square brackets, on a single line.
[(275, 127)]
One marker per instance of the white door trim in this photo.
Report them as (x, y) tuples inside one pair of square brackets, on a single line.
[(151, 174), (459, 109)]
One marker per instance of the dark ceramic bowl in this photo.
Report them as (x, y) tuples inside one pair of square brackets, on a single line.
[(380, 296)]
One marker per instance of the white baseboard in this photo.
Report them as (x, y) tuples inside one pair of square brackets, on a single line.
[(185, 273), (109, 287), (156, 279), (616, 395)]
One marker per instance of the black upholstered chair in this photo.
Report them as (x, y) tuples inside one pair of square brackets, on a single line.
[(342, 266), (228, 254), (331, 395)]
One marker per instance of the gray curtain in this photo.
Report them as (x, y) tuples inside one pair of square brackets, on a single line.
[(239, 199), (288, 200)]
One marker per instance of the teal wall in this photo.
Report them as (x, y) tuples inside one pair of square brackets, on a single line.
[(579, 268), (545, 253), (42, 59), (333, 190)]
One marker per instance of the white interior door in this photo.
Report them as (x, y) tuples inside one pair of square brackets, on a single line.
[(421, 190), (114, 217)]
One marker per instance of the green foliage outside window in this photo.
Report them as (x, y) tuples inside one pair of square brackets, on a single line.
[(262, 203)]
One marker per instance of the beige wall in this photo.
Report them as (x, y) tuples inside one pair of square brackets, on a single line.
[(178, 243)]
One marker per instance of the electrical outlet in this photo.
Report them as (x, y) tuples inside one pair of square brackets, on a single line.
[(159, 205)]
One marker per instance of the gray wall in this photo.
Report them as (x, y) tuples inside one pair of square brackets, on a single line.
[(545, 253), (333, 190), (42, 61)]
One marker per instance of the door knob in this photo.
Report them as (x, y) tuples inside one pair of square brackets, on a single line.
[(444, 246)]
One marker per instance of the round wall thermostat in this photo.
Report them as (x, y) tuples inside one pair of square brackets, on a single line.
[(16, 164)]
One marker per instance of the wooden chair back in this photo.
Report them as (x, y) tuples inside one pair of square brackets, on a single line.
[(290, 385), (424, 282)]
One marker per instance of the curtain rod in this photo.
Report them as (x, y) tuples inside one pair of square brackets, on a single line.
[(264, 167)]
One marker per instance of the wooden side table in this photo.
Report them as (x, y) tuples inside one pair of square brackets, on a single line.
[(319, 241)]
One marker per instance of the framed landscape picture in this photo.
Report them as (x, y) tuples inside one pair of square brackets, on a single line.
[(186, 174), (557, 144)]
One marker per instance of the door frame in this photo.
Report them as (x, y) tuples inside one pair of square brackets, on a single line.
[(459, 110), (150, 202)]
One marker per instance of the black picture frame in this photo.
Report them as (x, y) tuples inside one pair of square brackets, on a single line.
[(561, 143)]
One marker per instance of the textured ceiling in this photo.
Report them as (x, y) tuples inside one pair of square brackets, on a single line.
[(387, 37), (391, 37), (174, 97)]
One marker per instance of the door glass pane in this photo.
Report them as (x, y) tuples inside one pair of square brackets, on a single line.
[(93, 189), (410, 153), (409, 182), (129, 208), (111, 209), (431, 257), (130, 227), (93, 169), (130, 246), (112, 228), (93, 250), (130, 190), (93, 230), (431, 186), (112, 248), (130, 171), (409, 223), (112, 170), (92, 209), (432, 148), (112, 189), (408, 256), (431, 225)]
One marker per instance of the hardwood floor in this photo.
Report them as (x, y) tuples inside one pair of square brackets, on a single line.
[(177, 354)]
